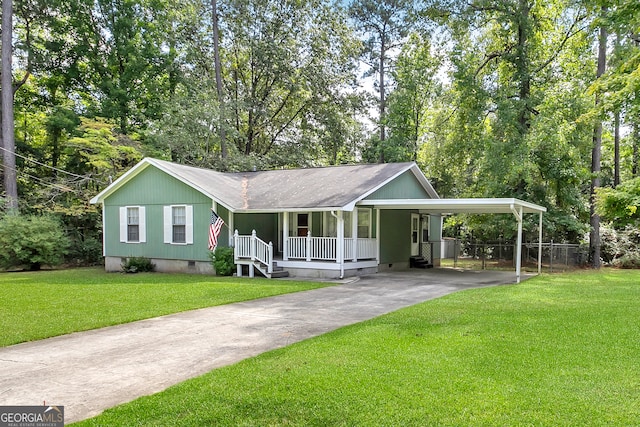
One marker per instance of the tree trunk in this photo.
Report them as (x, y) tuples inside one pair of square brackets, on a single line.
[(616, 150), (523, 68), (218, 69), (635, 140), (8, 154), (382, 98), (594, 236)]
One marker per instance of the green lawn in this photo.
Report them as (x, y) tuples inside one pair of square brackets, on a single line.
[(556, 350), (35, 305)]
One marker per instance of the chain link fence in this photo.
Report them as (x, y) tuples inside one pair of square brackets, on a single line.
[(501, 255)]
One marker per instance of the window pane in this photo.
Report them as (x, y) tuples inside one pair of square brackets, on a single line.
[(364, 222), (133, 233), (179, 234), (179, 216), (347, 223), (132, 216)]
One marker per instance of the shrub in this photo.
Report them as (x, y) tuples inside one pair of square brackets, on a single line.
[(631, 260), (138, 265), (222, 260), (31, 241), (620, 247)]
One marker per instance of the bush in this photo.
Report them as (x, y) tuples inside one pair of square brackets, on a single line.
[(631, 260), (620, 247), (85, 252), (138, 265), (31, 241), (222, 260)]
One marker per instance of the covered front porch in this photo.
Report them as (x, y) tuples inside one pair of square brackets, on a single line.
[(336, 244), (309, 256)]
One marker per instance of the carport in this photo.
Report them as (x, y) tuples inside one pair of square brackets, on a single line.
[(475, 206)]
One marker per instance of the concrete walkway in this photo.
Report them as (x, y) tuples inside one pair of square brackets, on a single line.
[(87, 372)]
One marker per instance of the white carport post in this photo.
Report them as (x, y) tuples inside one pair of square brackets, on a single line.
[(285, 236), (540, 245), (518, 215)]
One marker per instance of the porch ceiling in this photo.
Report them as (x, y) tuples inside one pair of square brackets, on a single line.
[(452, 206)]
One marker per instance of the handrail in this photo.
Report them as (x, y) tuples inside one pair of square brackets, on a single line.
[(254, 248)]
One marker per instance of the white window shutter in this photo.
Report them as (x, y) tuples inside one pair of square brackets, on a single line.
[(123, 224), (168, 229), (188, 228), (142, 225)]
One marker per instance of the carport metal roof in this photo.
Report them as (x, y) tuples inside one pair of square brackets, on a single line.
[(473, 206)]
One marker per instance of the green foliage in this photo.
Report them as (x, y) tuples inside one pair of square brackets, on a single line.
[(31, 241), (222, 260), (620, 205), (138, 265)]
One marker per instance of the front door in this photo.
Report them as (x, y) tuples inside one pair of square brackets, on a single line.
[(415, 237)]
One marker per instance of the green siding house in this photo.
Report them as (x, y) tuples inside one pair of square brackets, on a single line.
[(324, 222)]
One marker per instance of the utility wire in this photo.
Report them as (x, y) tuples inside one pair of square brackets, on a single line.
[(42, 164)]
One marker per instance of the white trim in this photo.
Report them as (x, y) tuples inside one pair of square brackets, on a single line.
[(142, 224), (188, 227), (123, 216), (123, 224), (416, 172), (445, 206), (168, 224), (166, 219)]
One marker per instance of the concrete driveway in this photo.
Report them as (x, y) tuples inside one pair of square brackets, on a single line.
[(88, 372)]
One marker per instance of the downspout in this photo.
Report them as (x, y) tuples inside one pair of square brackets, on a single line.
[(340, 242)]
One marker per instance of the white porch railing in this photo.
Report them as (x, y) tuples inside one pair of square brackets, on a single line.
[(254, 249), (326, 248), (365, 248)]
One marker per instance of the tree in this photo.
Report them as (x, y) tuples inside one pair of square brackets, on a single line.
[(8, 143), (283, 61), (384, 24), (511, 122), (416, 87), (219, 90)]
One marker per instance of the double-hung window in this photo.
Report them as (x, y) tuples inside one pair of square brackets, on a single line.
[(178, 224), (132, 224)]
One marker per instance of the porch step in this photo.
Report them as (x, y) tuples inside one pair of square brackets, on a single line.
[(277, 272), (419, 262)]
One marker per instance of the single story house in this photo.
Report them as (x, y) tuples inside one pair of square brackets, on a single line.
[(325, 222)]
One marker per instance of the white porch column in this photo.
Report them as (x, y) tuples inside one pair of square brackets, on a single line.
[(377, 210), (231, 227), (340, 242), (285, 236), (354, 233), (518, 215)]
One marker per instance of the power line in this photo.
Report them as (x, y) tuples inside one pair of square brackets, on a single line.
[(45, 165)]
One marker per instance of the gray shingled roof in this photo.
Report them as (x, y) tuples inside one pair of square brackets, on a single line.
[(310, 188)]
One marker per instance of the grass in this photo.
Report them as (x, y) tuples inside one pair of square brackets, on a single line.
[(554, 350), (36, 305)]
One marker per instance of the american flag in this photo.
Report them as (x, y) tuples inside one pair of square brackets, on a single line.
[(214, 230)]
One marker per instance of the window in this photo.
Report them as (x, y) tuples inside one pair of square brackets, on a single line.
[(299, 224), (132, 224), (178, 224), (364, 223), (179, 221)]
